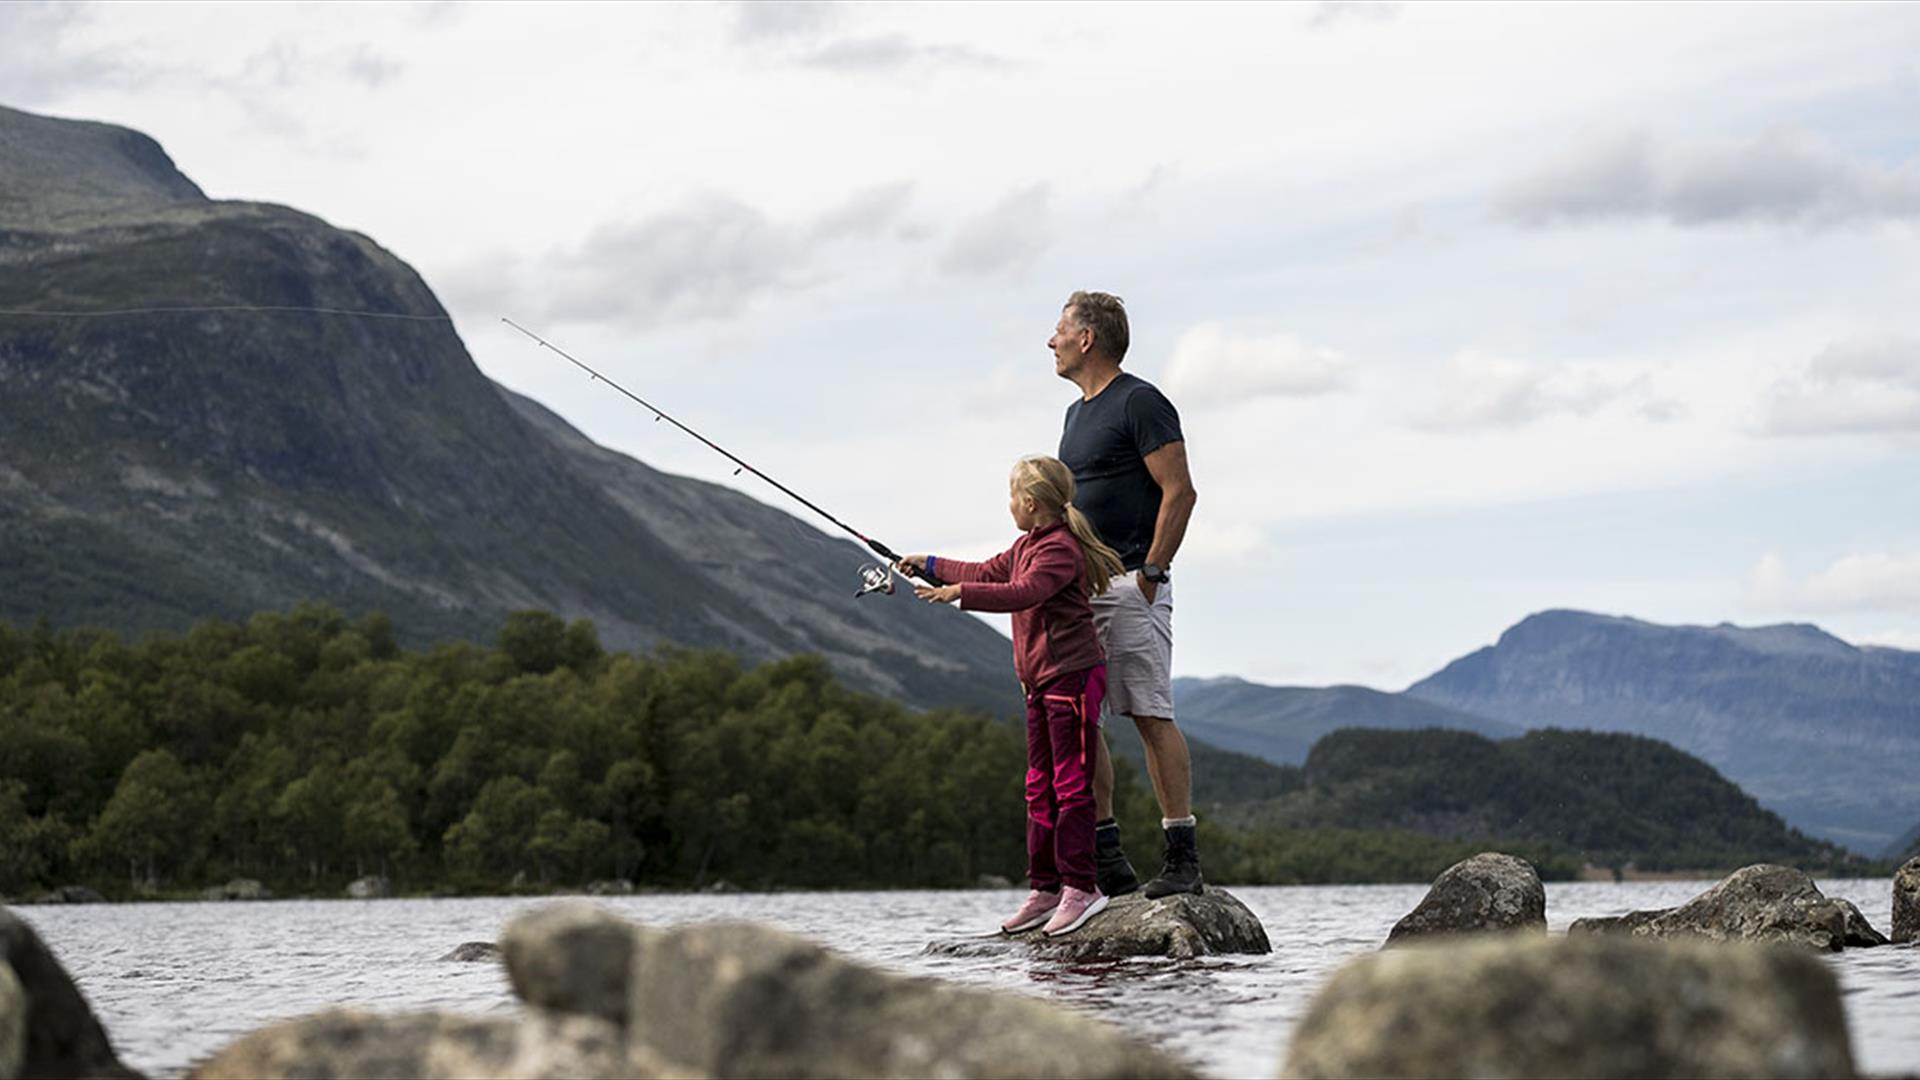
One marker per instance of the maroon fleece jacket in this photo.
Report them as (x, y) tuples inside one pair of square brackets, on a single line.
[(1041, 579)]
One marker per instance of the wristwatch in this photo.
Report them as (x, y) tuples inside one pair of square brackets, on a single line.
[(1156, 574)]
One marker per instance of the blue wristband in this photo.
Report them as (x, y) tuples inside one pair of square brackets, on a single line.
[(930, 561)]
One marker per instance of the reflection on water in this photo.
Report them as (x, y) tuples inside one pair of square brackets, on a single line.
[(173, 982)]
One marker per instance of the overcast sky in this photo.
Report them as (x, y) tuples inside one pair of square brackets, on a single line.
[(1470, 310)]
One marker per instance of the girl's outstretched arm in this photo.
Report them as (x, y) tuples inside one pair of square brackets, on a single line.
[(959, 570), (1052, 568)]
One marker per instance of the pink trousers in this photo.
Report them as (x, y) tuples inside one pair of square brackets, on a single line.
[(1063, 720)]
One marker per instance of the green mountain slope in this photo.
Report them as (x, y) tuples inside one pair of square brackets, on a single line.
[(1281, 723), (164, 467), (1609, 798)]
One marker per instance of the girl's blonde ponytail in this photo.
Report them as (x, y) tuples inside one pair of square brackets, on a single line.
[(1049, 483), (1103, 563)]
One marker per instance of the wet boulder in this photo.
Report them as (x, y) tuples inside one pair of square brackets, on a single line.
[(1583, 1006), (344, 1043), (62, 1037), (1488, 892), (1179, 926), (737, 999), (1764, 903), (1906, 902), (1860, 934), (371, 887), (571, 957)]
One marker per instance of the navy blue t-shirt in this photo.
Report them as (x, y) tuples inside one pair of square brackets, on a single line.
[(1105, 443)]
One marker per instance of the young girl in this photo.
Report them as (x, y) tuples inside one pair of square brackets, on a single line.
[(1044, 579)]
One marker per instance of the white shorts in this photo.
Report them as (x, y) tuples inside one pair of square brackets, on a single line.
[(1138, 638)]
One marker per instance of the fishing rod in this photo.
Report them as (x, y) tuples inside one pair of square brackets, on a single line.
[(873, 578)]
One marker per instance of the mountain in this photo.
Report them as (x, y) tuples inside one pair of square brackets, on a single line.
[(161, 466), (1282, 723), (1611, 799), (1907, 847), (1821, 731)]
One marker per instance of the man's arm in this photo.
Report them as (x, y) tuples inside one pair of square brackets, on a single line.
[(1168, 467)]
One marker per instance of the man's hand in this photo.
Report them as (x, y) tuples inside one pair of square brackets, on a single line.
[(945, 594), (1148, 589)]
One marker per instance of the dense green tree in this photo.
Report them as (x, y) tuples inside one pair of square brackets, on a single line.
[(155, 822)]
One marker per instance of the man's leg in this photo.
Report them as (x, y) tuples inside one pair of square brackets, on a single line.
[(1172, 771), (1168, 765)]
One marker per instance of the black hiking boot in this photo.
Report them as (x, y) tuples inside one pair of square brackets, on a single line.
[(1110, 866), (1181, 870)]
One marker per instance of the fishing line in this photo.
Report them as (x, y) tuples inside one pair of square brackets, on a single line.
[(875, 579)]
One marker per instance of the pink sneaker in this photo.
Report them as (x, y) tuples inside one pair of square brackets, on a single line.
[(1039, 905), (1075, 909)]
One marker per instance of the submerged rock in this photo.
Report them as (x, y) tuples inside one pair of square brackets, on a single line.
[(371, 887), (1488, 892), (1906, 902), (62, 1036), (433, 1046), (1179, 926), (1576, 1007), (1763, 903), (571, 957), (736, 999), (473, 952)]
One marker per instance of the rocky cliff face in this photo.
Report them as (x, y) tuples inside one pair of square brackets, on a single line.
[(1813, 727), (161, 467)]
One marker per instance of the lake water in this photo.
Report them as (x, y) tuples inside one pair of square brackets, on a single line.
[(173, 982)]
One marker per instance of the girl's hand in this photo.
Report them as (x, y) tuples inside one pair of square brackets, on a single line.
[(945, 594), (912, 564)]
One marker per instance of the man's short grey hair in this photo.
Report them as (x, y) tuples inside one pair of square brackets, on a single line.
[(1106, 316)]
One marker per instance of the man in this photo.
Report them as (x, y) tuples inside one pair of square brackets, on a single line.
[(1122, 440)]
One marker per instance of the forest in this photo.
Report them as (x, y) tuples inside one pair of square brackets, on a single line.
[(305, 748)]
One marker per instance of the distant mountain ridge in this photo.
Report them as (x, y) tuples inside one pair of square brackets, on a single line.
[(1282, 723), (164, 467), (1822, 731)]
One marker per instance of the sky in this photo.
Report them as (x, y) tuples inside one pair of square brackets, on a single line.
[(1470, 310)]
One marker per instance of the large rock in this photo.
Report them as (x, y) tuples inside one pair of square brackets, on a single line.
[(62, 1036), (573, 957), (1575, 1007), (735, 999), (1178, 926), (346, 1044), (1764, 903), (1488, 892), (1906, 902)]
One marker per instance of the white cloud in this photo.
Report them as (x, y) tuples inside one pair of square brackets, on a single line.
[(1890, 638), (1009, 236), (1877, 581), (1480, 390), (1777, 177), (1210, 365), (1866, 386)]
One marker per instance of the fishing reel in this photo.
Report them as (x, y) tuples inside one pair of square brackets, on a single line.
[(875, 577)]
